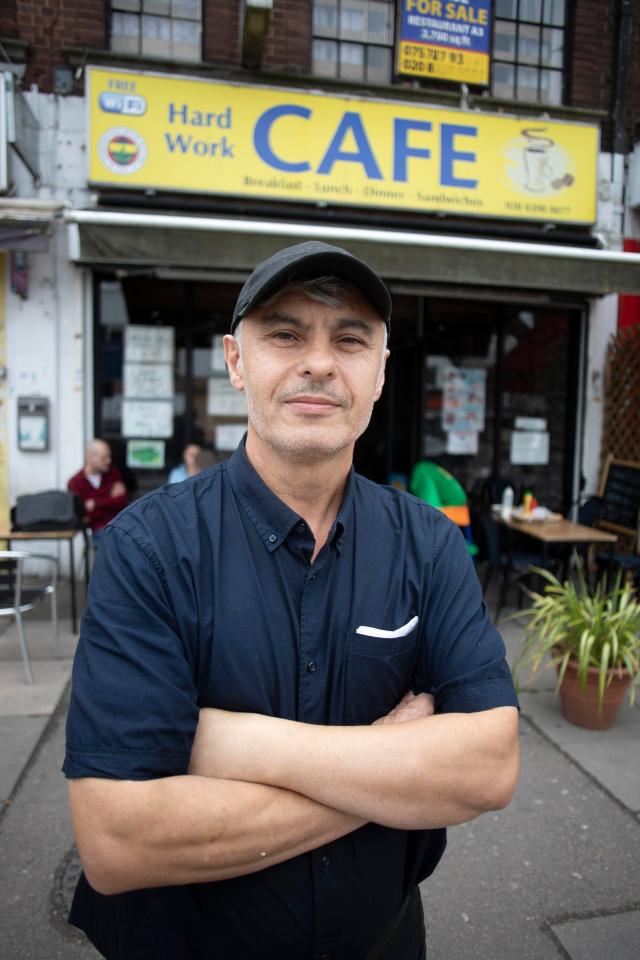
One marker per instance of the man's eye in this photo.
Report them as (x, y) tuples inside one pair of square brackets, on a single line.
[(283, 335)]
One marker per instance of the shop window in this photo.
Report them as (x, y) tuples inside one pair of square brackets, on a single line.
[(157, 28), (353, 39), (528, 50), (499, 390)]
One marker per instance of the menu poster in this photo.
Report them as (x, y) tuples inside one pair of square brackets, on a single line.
[(229, 435), (146, 344), (223, 400), (463, 402), (529, 447), (149, 381), (145, 454), (147, 418), (462, 442)]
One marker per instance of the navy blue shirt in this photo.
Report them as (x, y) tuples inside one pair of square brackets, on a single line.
[(203, 594)]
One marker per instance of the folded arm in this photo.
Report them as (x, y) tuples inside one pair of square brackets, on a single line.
[(191, 829), (176, 830), (423, 773)]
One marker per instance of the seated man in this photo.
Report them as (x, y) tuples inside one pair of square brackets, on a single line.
[(99, 485)]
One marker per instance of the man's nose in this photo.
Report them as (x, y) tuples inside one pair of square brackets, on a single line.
[(318, 360)]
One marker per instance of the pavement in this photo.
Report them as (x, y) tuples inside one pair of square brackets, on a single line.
[(555, 875)]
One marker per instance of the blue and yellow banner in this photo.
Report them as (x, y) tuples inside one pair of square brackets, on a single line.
[(201, 136), (441, 40)]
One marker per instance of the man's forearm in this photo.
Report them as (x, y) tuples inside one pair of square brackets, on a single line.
[(179, 830), (420, 774)]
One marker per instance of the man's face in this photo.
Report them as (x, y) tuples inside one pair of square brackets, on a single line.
[(311, 373), (100, 458), (191, 451)]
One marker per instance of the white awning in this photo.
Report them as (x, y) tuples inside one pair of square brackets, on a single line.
[(113, 239)]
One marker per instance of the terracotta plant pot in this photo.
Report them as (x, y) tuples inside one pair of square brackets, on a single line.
[(581, 706)]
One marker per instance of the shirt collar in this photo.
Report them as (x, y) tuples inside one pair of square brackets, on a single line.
[(272, 518)]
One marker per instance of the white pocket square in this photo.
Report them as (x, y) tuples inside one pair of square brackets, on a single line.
[(388, 634)]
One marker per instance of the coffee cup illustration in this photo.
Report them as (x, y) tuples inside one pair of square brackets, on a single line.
[(537, 163)]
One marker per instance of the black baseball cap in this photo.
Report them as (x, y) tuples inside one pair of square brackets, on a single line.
[(304, 261)]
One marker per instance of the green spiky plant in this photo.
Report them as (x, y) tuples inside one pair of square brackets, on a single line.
[(594, 629)]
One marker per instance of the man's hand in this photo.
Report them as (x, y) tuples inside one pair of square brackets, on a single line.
[(221, 733), (413, 706), (90, 505), (118, 488)]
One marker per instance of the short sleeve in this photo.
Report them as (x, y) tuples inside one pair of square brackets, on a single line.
[(462, 661), (133, 709)]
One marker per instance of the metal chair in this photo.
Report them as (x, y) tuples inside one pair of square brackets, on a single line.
[(16, 599)]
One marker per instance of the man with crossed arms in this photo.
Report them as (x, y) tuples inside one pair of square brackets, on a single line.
[(286, 685)]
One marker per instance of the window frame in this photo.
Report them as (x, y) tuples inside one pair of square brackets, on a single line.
[(518, 64), (114, 8), (365, 44)]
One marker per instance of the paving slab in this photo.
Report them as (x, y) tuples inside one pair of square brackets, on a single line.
[(35, 841), (21, 699), (610, 756), (616, 937), (563, 848), (19, 737)]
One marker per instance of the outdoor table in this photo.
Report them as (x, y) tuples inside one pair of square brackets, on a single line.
[(559, 532), (59, 536)]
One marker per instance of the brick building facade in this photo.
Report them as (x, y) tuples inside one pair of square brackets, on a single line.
[(52, 29)]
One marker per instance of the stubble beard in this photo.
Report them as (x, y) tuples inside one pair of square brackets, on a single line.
[(305, 444)]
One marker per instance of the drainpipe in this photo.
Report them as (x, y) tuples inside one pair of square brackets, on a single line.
[(619, 111)]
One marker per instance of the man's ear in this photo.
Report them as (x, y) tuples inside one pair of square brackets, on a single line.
[(233, 361), (380, 383)]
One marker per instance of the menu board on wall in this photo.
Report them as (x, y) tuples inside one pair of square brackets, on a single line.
[(147, 418), (146, 344), (529, 447), (223, 400), (151, 381), (229, 435)]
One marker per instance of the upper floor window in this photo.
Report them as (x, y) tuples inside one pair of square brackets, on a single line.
[(353, 39), (157, 28), (528, 50)]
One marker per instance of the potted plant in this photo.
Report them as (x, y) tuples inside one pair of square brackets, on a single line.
[(592, 638)]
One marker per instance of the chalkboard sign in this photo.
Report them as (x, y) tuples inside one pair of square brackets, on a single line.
[(620, 494)]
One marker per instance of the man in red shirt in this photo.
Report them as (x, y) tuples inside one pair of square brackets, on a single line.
[(99, 485)]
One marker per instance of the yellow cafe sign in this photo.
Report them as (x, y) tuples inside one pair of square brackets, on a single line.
[(201, 136)]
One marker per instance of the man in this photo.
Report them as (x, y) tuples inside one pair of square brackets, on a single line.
[(100, 487), (256, 770)]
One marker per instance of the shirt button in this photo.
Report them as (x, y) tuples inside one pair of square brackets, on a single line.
[(302, 526), (326, 861), (312, 666), (339, 541), (272, 538)]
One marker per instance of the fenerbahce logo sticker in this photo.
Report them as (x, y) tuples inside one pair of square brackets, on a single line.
[(122, 150)]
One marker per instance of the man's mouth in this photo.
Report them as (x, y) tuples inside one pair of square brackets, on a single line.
[(313, 403)]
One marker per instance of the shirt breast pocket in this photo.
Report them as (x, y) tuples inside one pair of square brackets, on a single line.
[(380, 663)]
